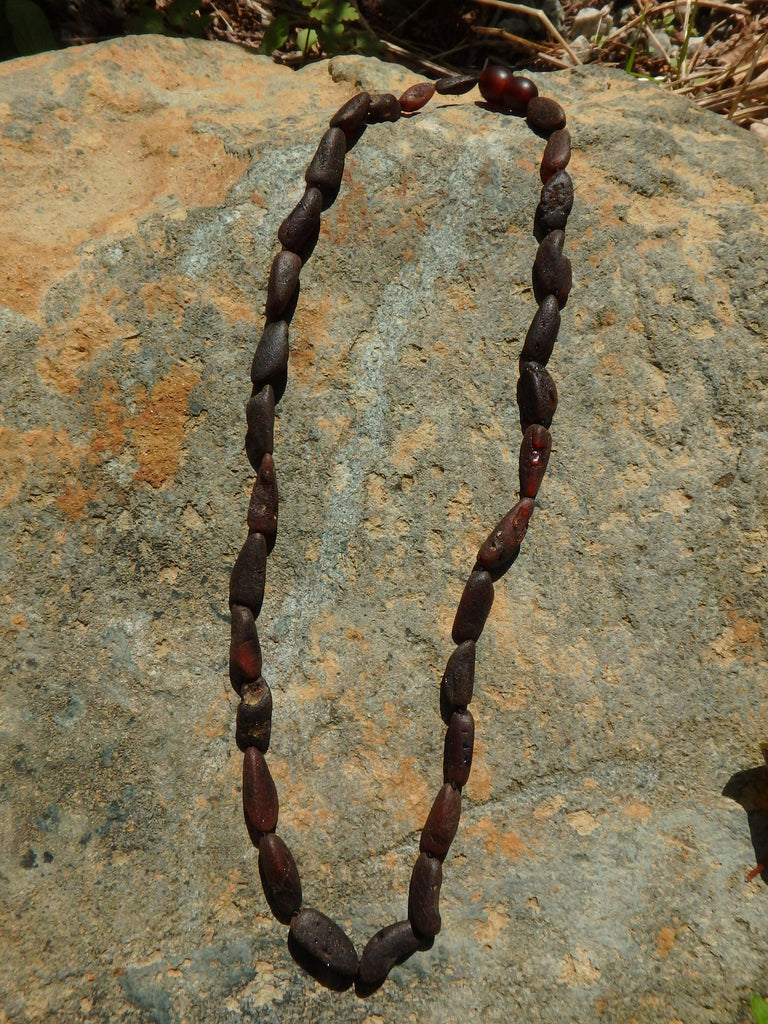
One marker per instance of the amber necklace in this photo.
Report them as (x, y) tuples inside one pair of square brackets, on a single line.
[(316, 942)]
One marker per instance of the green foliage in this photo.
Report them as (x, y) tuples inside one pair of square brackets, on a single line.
[(177, 18), (760, 1010), (331, 27), (28, 28), (275, 34)]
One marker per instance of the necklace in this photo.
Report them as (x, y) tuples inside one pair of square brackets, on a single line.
[(315, 941)]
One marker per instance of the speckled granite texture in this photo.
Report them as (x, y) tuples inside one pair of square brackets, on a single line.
[(598, 875)]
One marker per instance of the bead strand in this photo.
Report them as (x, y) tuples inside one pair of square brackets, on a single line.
[(315, 941)]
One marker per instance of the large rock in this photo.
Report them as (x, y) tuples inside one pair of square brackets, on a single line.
[(598, 875)]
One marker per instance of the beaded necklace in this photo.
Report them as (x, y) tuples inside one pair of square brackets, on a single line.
[(315, 941)]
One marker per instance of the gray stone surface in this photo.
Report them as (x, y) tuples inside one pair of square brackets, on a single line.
[(597, 875)]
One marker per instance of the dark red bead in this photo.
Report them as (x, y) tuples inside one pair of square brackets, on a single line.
[(455, 85), (557, 153), (500, 549), (424, 895), (474, 606), (542, 334), (260, 804), (260, 436), (384, 107), (386, 948), (283, 281), (327, 165), (417, 96), (534, 457), (351, 117), (457, 750), (270, 360), (545, 115), (249, 573), (323, 948), (458, 680), (279, 877), (492, 82), (517, 93), (254, 716), (551, 273), (536, 395), (263, 506), (302, 222), (244, 648), (443, 821)]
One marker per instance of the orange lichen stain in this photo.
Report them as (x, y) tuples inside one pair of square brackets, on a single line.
[(412, 441), (512, 846), (110, 414), (666, 940), (74, 499), (158, 428), (19, 621), (746, 631), (71, 345), (488, 931), (637, 811), (170, 294), (20, 450), (578, 970), (485, 830)]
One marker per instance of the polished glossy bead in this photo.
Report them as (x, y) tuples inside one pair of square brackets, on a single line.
[(545, 115), (457, 750), (244, 648), (517, 93), (443, 821), (324, 942), (279, 877), (351, 117), (458, 680), (260, 436), (500, 549), (557, 153), (283, 281), (417, 96), (384, 107), (534, 456), (270, 360), (246, 584), (254, 716), (542, 334), (474, 606), (552, 270), (386, 948), (263, 506), (424, 895), (302, 222), (260, 804), (555, 204), (492, 82), (327, 165), (456, 85), (536, 395)]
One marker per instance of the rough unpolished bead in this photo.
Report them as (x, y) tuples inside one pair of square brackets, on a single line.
[(279, 877), (263, 506), (456, 85), (424, 895), (542, 334), (384, 107), (386, 948), (458, 680), (302, 222), (534, 456), (254, 716), (545, 115), (457, 750), (324, 943), (417, 96), (555, 204), (283, 281), (551, 270), (474, 606), (500, 550), (260, 804), (327, 165), (246, 584), (260, 436), (557, 153), (270, 360), (351, 117), (536, 395), (443, 821), (244, 648)]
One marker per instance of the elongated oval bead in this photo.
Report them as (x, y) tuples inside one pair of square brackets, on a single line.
[(263, 506), (458, 747), (279, 877), (351, 116), (386, 948), (458, 680), (534, 456), (552, 270), (456, 85), (536, 395), (327, 165), (260, 436), (443, 821), (424, 895), (492, 82), (517, 93), (542, 334), (254, 716), (384, 107), (325, 945), (555, 204), (246, 584), (283, 281), (500, 550), (417, 96), (302, 222), (545, 115), (244, 648), (270, 360), (260, 804), (474, 606), (557, 153)]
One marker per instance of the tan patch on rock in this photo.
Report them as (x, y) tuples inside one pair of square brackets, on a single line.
[(21, 450), (71, 345), (158, 428)]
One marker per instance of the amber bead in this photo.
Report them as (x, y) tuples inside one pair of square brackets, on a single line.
[(417, 96), (279, 877), (534, 456), (557, 153), (536, 395), (263, 506), (246, 584), (270, 360), (424, 895), (254, 716), (325, 944), (260, 804), (457, 750), (492, 82), (384, 107), (327, 165), (260, 436), (474, 606), (458, 680), (555, 204), (244, 648), (500, 549), (386, 948), (456, 85), (283, 281), (443, 821), (517, 93), (302, 222), (551, 270), (545, 115), (542, 334), (351, 117)]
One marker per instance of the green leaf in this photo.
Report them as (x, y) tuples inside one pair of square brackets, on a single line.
[(306, 39), (759, 1010), (31, 29), (275, 34)]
